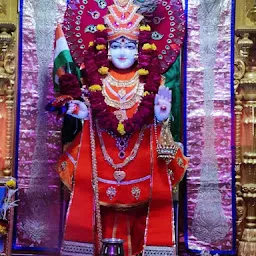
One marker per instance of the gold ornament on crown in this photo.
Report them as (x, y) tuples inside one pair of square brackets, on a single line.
[(122, 3), (123, 20)]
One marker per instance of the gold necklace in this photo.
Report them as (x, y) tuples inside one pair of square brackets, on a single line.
[(128, 159), (119, 174), (124, 83), (122, 102)]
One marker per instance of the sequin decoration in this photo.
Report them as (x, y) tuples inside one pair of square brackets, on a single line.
[(157, 36), (90, 29), (63, 166), (101, 3), (170, 173), (94, 14), (111, 192), (136, 192), (180, 162)]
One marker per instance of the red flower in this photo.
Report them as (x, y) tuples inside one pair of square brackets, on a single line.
[(145, 36), (101, 40), (69, 85)]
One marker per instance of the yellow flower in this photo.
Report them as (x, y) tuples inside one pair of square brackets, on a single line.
[(146, 46), (100, 27), (95, 88), (91, 44), (120, 129), (145, 28), (3, 231), (11, 183), (103, 70), (143, 72), (153, 47), (100, 47), (146, 93), (142, 28)]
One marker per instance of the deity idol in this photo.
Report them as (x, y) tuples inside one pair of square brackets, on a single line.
[(122, 166)]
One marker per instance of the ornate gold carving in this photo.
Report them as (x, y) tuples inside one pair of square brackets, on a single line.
[(248, 190), (244, 15), (245, 110), (3, 9), (244, 45), (239, 69), (249, 157), (8, 22), (7, 81), (252, 13)]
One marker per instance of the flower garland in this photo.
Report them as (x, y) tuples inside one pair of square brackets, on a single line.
[(97, 65)]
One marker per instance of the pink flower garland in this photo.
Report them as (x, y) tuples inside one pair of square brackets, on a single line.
[(147, 59)]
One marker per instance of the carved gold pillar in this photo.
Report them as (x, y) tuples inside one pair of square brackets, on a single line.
[(245, 112), (8, 87)]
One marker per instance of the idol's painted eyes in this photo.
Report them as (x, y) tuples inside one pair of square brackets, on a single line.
[(117, 45), (130, 46)]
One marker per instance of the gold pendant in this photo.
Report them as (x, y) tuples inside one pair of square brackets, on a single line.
[(119, 175), (120, 115), (122, 93)]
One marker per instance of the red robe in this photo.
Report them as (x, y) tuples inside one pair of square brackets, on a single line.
[(138, 210)]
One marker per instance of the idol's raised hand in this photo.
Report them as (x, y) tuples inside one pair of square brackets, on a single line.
[(163, 101), (78, 109)]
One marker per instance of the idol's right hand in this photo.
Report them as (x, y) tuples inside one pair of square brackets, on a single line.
[(77, 109)]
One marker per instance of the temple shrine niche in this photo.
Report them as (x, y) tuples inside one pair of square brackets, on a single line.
[(155, 90)]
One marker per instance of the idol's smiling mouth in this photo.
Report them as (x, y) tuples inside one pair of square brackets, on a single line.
[(122, 59)]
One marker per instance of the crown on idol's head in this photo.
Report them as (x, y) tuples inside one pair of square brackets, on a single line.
[(123, 20), (122, 3)]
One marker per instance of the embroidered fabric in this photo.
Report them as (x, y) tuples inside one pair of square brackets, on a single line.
[(159, 251), (34, 228), (76, 248), (209, 222)]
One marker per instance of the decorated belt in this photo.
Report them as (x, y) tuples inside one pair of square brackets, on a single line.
[(129, 182)]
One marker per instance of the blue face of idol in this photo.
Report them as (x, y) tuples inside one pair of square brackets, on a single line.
[(123, 52)]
